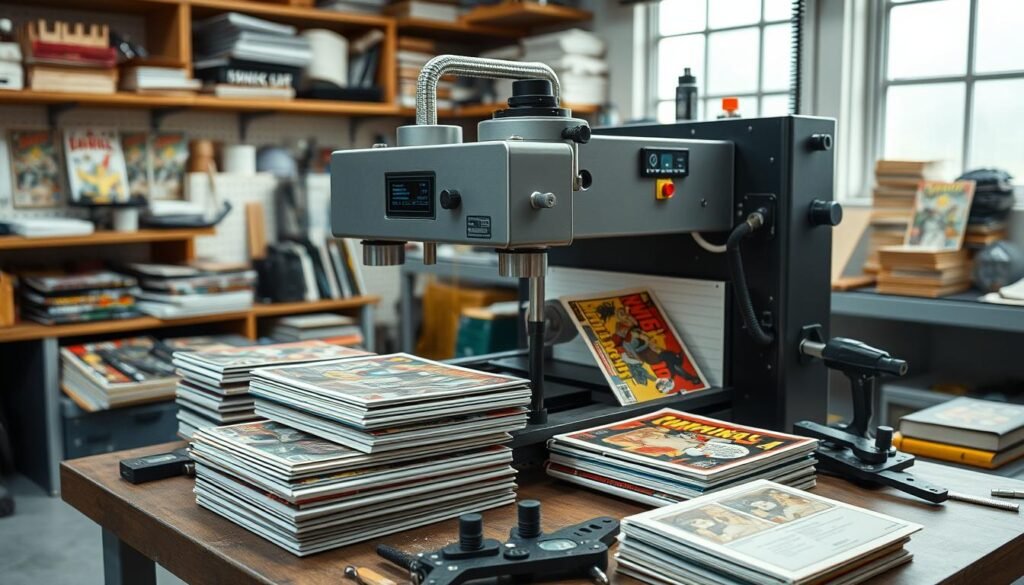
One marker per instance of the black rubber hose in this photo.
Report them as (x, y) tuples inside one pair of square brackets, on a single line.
[(739, 284)]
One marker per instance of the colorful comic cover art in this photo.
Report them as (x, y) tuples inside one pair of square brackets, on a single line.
[(35, 169), (258, 355), (389, 377), (640, 353), (686, 441), (715, 523), (775, 505), (169, 156), (279, 441), (96, 169), (940, 215), (981, 415), (136, 159)]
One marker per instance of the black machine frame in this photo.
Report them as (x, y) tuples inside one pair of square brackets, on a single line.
[(782, 163)]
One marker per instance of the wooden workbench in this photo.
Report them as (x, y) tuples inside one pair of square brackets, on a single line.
[(160, 521)]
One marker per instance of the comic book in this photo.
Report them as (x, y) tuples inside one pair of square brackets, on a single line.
[(168, 157), (940, 215), (35, 169), (763, 532), (137, 161), (97, 174), (387, 379), (235, 358), (635, 345), (688, 444)]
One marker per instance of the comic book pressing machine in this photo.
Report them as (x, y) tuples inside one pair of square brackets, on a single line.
[(541, 186)]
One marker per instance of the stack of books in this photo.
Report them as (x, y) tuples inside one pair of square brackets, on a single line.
[(309, 495), (74, 298), (399, 442), (65, 57), (983, 233), (329, 268), (359, 6), (152, 79), (765, 533), (669, 456), (921, 272), (413, 54), (981, 433), (239, 56), (896, 184), (175, 291), (111, 374), (214, 386), (328, 327), (11, 75), (439, 10), (577, 56)]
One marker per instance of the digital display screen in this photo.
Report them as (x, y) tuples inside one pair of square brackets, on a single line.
[(664, 162), (410, 195)]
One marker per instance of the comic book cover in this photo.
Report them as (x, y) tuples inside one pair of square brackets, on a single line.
[(268, 355), (121, 361), (168, 157), (686, 443), (96, 167), (940, 215), (35, 169), (635, 345), (137, 162), (384, 379)]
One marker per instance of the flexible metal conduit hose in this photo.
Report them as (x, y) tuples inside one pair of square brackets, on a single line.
[(426, 84)]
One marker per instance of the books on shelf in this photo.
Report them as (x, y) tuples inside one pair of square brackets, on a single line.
[(360, 6), (896, 185), (239, 73), (11, 75), (51, 227), (58, 58), (110, 374), (425, 10), (155, 163), (668, 456), (329, 327), (308, 495), (761, 532), (247, 38), (214, 387), (37, 180), (391, 402), (157, 79), (76, 298), (172, 291), (576, 55), (972, 431), (97, 174), (328, 268), (634, 344), (71, 79), (912, 271)]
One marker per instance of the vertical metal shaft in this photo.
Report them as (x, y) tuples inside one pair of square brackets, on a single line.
[(429, 253), (535, 331)]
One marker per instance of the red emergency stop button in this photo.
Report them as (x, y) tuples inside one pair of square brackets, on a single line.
[(664, 189)]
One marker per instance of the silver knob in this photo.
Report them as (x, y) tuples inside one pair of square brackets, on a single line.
[(542, 200)]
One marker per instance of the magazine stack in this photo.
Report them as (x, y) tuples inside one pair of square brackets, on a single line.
[(111, 374), (968, 431), (75, 298), (668, 456), (172, 291), (214, 386), (761, 533), (363, 447)]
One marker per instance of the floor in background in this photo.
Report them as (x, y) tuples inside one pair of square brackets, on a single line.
[(48, 542)]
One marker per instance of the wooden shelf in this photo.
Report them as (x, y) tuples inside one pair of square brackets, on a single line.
[(297, 15), (457, 31), (485, 110), (103, 238), (278, 309), (525, 15)]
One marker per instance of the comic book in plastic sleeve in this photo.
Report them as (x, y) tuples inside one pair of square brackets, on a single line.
[(136, 158), (688, 444), (635, 345), (35, 169), (169, 156), (97, 174)]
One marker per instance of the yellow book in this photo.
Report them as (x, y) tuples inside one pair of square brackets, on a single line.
[(957, 454)]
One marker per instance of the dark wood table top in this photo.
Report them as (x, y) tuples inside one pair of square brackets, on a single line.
[(960, 543)]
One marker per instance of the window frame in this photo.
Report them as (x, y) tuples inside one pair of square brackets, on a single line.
[(882, 83), (654, 35)]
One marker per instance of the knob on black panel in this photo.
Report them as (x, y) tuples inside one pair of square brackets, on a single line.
[(883, 438), (471, 532), (450, 199), (529, 518), (824, 212)]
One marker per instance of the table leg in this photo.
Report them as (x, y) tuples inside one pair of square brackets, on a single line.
[(123, 565)]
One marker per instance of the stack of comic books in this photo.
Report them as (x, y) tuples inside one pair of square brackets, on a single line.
[(392, 402), (214, 386), (761, 533), (668, 456), (308, 495), (111, 374), (76, 298)]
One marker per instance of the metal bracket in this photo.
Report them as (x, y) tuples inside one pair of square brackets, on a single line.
[(53, 112), (157, 115), (246, 118)]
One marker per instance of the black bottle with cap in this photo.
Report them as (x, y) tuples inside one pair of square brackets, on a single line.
[(686, 97)]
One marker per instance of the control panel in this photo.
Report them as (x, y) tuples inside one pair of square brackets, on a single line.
[(664, 162), (409, 195)]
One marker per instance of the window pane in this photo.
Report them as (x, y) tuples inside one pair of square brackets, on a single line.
[(1000, 39), (778, 9), (674, 55), (681, 16), (928, 39), (732, 61), (774, 105), (723, 13), (997, 128), (777, 52), (666, 112), (925, 122)]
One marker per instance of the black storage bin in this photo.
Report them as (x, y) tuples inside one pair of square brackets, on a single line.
[(89, 433)]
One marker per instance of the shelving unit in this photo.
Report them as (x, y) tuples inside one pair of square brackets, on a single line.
[(525, 15), (104, 238), (959, 310)]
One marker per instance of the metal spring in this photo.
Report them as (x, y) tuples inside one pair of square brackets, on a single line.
[(797, 44)]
